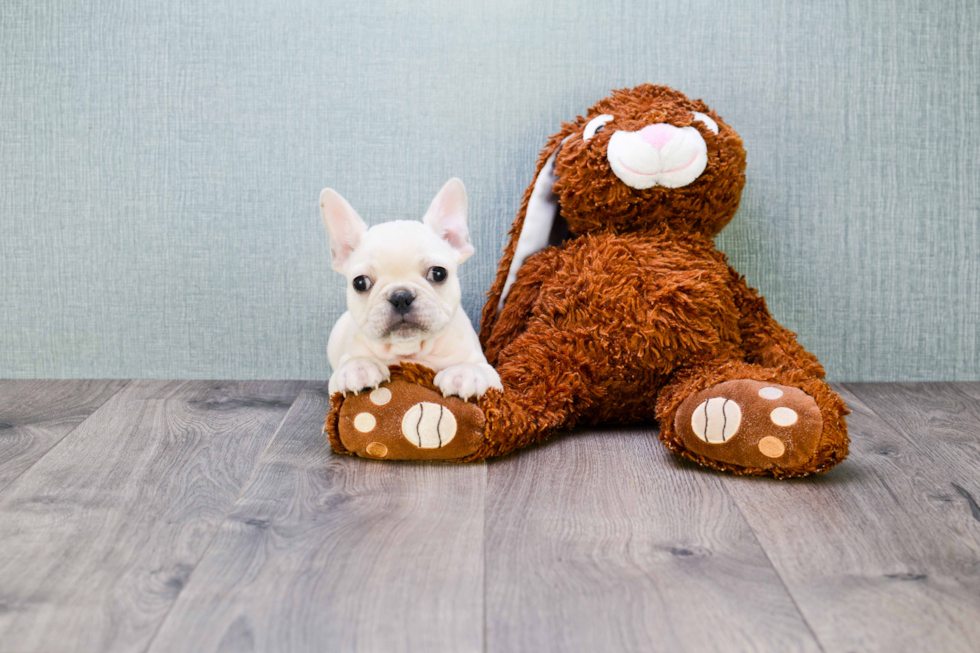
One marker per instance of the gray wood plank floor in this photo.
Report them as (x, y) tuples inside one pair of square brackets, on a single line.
[(35, 415), (211, 516), (99, 536), (326, 552), (599, 541), (882, 553)]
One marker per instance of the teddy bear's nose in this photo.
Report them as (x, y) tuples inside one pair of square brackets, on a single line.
[(402, 301), (657, 135)]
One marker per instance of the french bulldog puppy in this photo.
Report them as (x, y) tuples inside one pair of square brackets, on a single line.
[(403, 297)]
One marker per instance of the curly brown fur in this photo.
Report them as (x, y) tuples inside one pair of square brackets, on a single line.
[(638, 313), (331, 425), (834, 443), (593, 200)]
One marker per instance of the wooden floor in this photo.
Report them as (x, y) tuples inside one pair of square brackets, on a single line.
[(211, 516)]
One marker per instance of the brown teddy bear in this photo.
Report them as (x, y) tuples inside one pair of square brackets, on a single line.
[(611, 305)]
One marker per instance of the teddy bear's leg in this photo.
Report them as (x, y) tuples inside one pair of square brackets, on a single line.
[(747, 419), (545, 387), (764, 341)]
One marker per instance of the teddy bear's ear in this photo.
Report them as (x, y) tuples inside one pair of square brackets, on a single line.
[(538, 225)]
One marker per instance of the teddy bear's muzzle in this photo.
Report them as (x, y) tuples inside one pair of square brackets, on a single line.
[(658, 155)]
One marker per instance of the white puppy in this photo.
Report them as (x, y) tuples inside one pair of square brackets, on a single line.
[(403, 297)]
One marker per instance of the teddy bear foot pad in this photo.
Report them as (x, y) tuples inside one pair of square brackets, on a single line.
[(401, 420), (751, 424)]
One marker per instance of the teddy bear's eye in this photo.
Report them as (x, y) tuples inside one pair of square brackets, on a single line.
[(708, 122), (361, 283), (595, 125)]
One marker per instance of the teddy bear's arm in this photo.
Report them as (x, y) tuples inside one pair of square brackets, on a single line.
[(765, 341)]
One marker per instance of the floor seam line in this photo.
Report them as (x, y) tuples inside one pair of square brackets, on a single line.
[(956, 387), (221, 522), (901, 431), (775, 570), (486, 499), (11, 482), (872, 410), (906, 435)]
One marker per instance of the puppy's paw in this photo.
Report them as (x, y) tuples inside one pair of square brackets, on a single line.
[(358, 374), (467, 381)]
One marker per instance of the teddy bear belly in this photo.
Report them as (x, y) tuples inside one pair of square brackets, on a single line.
[(652, 297), (627, 310)]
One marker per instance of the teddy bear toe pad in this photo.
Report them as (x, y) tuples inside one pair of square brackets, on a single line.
[(401, 420), (751, 424)]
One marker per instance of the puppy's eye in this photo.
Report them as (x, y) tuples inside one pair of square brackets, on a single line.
[(595, 126), (708, 122), (437, 274), (361, 283)]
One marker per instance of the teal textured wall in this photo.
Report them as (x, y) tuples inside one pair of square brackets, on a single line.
[(160, 163)]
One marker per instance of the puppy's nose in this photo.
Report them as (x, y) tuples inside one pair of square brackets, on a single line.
[(402, 301)]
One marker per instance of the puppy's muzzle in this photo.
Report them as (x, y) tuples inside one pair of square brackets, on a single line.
[(401, 301)]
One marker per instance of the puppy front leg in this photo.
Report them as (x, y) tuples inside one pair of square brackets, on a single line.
[(357, 374), (467, 380)]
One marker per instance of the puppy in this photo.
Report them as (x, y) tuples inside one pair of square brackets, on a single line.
[(403, 297)]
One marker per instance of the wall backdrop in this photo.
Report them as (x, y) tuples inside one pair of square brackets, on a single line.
[(160, 163)]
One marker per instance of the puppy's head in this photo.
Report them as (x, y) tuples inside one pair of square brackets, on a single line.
[(402, 283)]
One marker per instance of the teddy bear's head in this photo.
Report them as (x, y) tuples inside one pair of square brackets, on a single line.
[(645, 158)]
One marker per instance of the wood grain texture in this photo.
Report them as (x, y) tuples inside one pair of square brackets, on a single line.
[(101, 534), (192, 516), (36, 415), (604, 542), (881, 553), (333, 553), (971, 390)]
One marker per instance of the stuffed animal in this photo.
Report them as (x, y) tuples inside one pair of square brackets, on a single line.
[(611, 305)]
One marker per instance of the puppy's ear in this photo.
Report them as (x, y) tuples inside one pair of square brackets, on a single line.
[(447, 217), (344, 227)]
